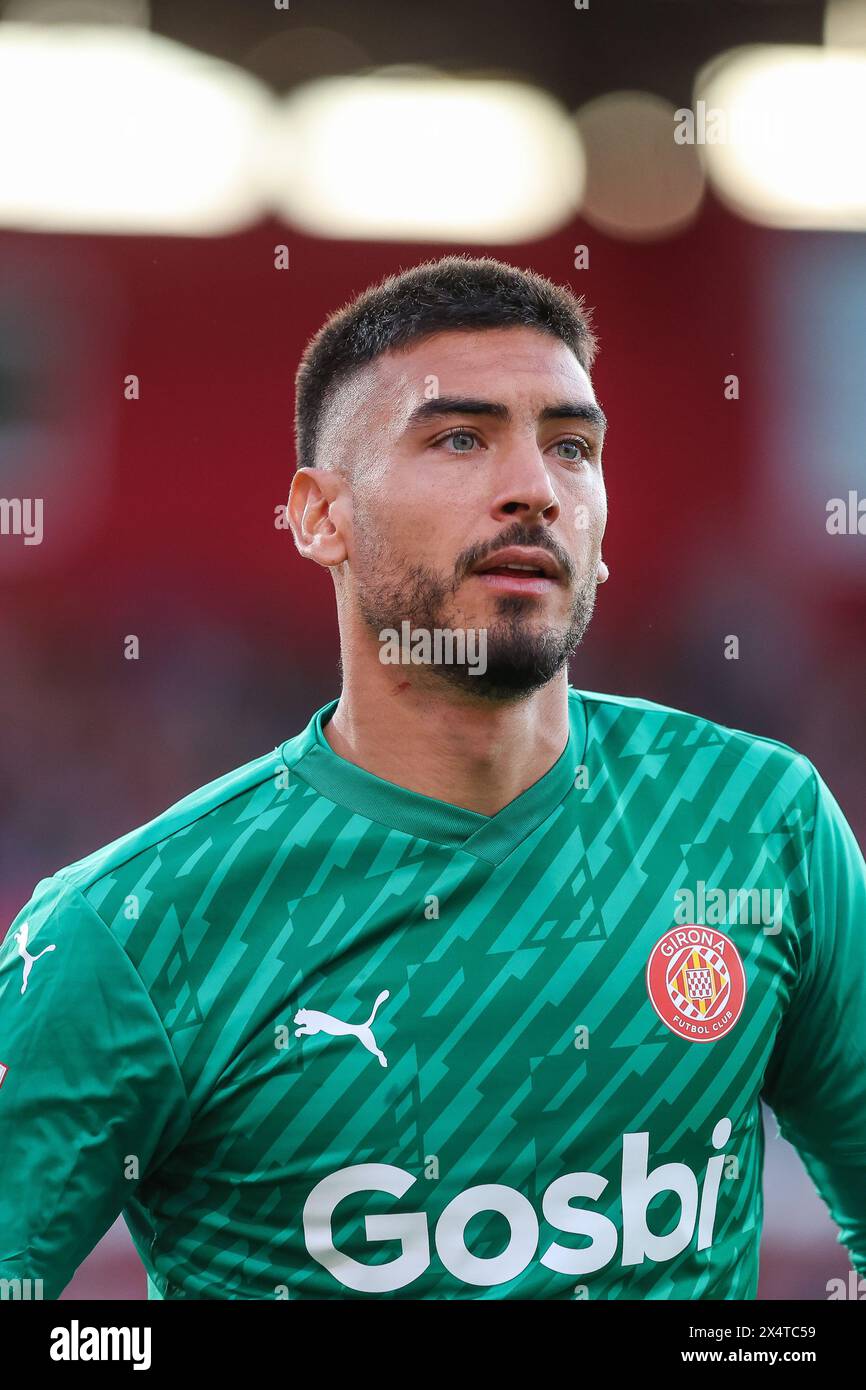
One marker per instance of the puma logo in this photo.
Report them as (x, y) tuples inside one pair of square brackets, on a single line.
[(311, 1021), (22, 937)]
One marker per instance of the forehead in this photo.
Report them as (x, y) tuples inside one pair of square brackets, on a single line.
[(521, 367)]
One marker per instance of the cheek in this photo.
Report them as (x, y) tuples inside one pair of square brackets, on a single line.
[(392, 531), (588, 518), (590, 509)]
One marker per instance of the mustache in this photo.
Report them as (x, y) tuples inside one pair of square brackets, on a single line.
[(517, 534)]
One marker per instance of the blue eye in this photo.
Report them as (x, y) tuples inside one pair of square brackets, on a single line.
[(462, 441), (579, 447)]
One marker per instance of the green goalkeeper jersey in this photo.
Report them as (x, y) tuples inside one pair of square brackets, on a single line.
[(317, 1036)]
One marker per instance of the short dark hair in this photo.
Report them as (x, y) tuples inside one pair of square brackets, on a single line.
[(457, 292)]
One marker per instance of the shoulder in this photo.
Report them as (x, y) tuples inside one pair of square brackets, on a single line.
[(211, 812), (631, 727)]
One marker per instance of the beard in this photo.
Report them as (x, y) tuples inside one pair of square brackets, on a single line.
[(521, 656)]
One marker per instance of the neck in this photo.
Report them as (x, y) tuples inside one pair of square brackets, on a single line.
[(418, 732)]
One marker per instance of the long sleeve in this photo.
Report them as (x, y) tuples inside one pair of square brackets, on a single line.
[(816, 1082), (91, 1098)]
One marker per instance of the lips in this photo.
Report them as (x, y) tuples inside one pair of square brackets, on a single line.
[(520, 561)]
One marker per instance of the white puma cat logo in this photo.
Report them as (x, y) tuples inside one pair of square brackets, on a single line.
[(312, 1021), (22, 936)]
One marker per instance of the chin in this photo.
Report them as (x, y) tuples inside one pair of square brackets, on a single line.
[(519, 660), (503, 684)]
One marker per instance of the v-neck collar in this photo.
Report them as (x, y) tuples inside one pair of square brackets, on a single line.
[(490, 838)]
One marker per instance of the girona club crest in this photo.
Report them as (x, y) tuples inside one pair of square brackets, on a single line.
[(696, 982)]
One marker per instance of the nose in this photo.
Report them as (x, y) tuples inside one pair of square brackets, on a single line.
[(524, 489)]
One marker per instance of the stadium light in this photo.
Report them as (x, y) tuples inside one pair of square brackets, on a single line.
[(845, 23), (782, 134), (425, 157), (640, 184), (111, 129)]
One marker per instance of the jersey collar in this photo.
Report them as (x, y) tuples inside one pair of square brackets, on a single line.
[(490, 838)]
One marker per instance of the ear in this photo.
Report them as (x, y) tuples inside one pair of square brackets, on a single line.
[(316, 510)]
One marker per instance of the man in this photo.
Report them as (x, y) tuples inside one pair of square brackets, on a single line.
[(468, 990)]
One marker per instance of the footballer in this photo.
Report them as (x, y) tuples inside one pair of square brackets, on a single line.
[(407, 1007)]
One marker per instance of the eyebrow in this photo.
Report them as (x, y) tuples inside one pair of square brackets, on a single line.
[(440, 406)]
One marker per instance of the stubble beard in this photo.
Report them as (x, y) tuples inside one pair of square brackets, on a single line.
[(521, 657)]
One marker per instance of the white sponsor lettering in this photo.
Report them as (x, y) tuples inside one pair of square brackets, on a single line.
[(640, 1185)]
